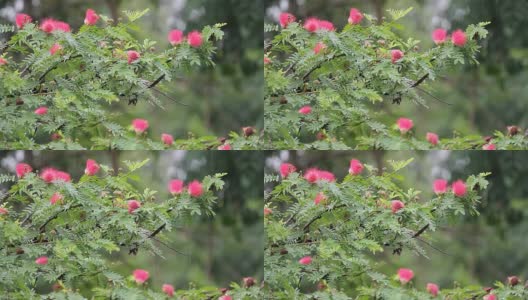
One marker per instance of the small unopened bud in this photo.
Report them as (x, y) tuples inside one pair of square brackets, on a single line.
[(248, 131), (19, 251), (416, 48), (513, 130), (223, 290), (381, 42), (321, 136), (152, 49), (56, 136), (222, 140), (249, 281), (513, 280), (283, 251), (321, 286), (19, 101), (283, 100), (57, 287), (488, 138)]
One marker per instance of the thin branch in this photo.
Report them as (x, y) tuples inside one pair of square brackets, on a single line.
[(41, 78), (55, 216), (170, 247), (434, 247), (417, 83), (156, 81), (319, 216), (419, 232), (319, 65)]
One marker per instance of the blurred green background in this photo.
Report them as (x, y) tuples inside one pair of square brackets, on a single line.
[(469, 250), (211, 251), (483, 98), (221, 99)]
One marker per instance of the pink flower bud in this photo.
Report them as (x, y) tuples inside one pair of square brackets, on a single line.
[(50, 175), (167, 139), (286, 169), (140, 276), (3, 211), (355, 16), (267, 61), (396, 55), (405, 124), (133, 205), (356, 167), (41, 111), (133, 56), (56, 197), (56, 47), (313, 175), (267, 211), (22, 19), (396, 205), (305, 260), (432, 138), (405, 275), (489, 297), (3, 61), (195, 39), (225, 147), (432, 289), (140, 125), (91, 167), (439, 36), (175, 186), (326, 25), (459, 38), (22, 169), (489, 147), (51, 25), (285, 19), (440, 186), (459, 188), (305, 110), (225, 297), (175, 37), (168, 289), (91, 17), (311, 24), (43, 260), (320, 197), (195, 188), (318, 47)]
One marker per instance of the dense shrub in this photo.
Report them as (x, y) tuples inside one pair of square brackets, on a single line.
[(57, 234), (324, 235), (57, 86), (325, 88)]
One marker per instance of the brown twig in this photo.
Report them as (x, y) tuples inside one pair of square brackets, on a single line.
[(55, 216)]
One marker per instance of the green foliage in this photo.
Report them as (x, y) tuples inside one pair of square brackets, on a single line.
[(81, 82), (349, 233), (352, 82), (80, 231)]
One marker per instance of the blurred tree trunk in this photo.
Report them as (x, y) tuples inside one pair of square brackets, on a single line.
[(378, 157), (28, 7), (293, 7), (113, 6), (379, 8), (114, 156)]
